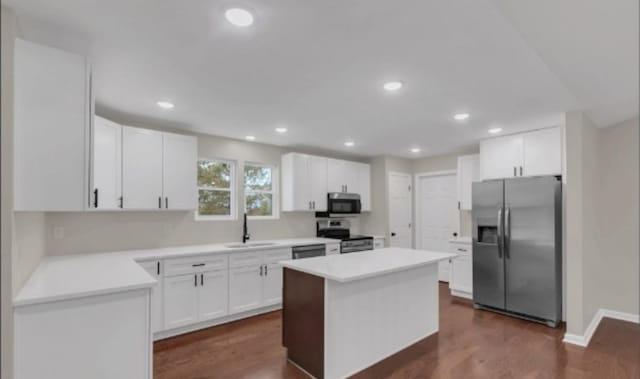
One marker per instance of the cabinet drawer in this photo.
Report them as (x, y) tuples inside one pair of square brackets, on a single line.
[(179, 266), (250, 258), (277, 255), (460, 248)]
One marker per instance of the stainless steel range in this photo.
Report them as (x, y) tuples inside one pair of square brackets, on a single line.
[(340, 229)]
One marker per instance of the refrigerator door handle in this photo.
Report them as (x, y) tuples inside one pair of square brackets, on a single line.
[(507, 232), (500, 232)]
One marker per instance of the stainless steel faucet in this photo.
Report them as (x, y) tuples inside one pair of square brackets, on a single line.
[(245, 231)]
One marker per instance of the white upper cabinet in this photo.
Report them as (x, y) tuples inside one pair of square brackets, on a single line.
[(141, 168), (468, 172), (543, 152), (363, 185), (53, 111), (304, 182), (528, 154), (106, 170), (179, 163), (318, 182), (501, 157)]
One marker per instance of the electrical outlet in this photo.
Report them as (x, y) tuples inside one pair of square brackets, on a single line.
[(58, 232)]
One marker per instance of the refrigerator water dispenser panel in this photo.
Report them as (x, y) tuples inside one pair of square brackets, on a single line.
[(488, 234)]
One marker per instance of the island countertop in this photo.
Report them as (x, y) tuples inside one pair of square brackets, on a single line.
[(366, 264)]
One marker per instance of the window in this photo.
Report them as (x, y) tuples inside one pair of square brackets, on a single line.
[(260, 196), (216, 196)]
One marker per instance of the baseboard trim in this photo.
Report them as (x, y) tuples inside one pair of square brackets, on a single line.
[(583, 340)]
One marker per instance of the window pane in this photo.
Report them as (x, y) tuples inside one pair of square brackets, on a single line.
[(259, 204), (257, 178), (214, 203), (214, 174)]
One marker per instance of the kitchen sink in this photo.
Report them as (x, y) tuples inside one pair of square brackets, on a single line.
[(250, 244)]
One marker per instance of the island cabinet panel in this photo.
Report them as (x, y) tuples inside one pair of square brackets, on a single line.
[(303, 320)]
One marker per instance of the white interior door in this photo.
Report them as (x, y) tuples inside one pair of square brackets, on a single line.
[(400, 222), (437, 215)]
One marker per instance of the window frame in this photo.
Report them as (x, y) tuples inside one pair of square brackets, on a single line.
[(233, 213), (275, 191)]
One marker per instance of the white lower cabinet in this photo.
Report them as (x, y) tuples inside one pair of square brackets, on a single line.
[(245, 288), (180, 300), (213, 298), (461, 283), (332, 248), (154, 269), (272, 284)]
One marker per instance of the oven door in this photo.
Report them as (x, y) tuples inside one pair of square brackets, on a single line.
[(343, 203)]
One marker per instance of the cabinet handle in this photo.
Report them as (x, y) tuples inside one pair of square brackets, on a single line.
[(197, 265), (121, 201), (458, 205), (462, 250), (158, 267), (261, 270), (314, 204), (346, 188), (195, 280), (266, 270), (520, 170), (202, 279), (95, 198), (514, 171), (160, 202), (166, 202)]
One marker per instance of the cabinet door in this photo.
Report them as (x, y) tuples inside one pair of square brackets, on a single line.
[(332, 249), (141, 168), (245, 288), (352, 176), (272, 284), (153, 268), (179, 163), (296, 186), (444, 271), (213, 294), (318, 182), (107, 164), (462, 274), (468, 172), (363, 186), (378, 243), (52, 112), (543, 152), (336, 175), (501, 157), (180, 300)]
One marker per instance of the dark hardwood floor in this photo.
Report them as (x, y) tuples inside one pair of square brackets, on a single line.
[(470, 344)]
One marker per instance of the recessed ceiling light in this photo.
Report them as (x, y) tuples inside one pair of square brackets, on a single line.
[(392, 86), (250, 138), (281, 130), (239, 17), (415, 150), (495, 130), (165, 104), (461, 116), (349, 144)]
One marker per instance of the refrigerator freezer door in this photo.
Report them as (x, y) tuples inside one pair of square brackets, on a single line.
[(488, 265), (532, 248)]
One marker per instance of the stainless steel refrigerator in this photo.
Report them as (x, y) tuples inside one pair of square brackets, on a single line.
[(517, 247)]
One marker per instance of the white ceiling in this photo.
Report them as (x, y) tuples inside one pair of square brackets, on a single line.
[(317, 67)]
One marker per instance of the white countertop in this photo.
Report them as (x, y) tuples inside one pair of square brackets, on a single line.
[(355, 266), (74, 276)]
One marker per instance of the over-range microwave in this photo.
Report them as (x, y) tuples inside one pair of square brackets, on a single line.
[(343, 203)]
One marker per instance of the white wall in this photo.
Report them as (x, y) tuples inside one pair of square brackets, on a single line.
[(8, 34), (616, 284), (601, 219)]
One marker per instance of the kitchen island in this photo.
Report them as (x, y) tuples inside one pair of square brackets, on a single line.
[(344, 313)]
